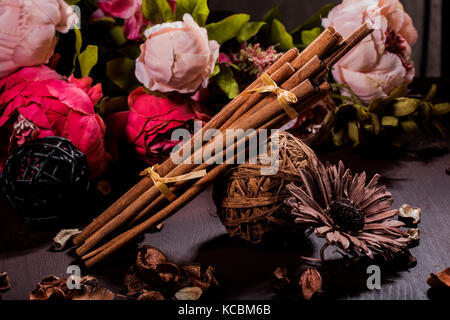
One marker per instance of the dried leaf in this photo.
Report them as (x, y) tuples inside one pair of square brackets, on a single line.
[(189, 293), (280, 273), (5, 284), (54, 288), (311, 283), (409, 214), (151, 295), (440, 280), (149, 258), (63, 237), (414, 234), (104, 187)]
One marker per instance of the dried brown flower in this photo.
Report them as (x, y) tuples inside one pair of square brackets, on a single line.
[(348, 212), (5, 284), (409, 215), (62, 239), (189, 293), (155, 277), (311, 283), (54, 288), (440, 280)]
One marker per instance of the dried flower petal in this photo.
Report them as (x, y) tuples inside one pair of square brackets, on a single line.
[(189, 293), (440, 280), (311, 283), (149, 258), (151, 295), (280, 273), (104, 187), (409, 214), (63, 237), (54, 288), (5, 284), (414, 235)]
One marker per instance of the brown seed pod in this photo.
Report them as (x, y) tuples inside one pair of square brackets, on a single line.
[(250, 204)]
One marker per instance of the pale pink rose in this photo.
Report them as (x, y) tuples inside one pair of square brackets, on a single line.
[(176, 57), (382, 61), (28, 31)]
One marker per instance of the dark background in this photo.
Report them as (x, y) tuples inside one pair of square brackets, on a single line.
[(426, 14)]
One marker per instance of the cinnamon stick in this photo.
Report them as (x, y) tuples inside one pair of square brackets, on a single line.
[(152, 193), (254, 121), (199, 186), (146, 182)]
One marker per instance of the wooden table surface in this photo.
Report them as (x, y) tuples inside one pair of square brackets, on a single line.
[(195, 234)]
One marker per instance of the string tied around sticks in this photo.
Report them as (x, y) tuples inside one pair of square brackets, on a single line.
[(161, 182), (285, 97)]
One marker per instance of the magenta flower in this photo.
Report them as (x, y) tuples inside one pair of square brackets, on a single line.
[(152, 120), (37, 102)]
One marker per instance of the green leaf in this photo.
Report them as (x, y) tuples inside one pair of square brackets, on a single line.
[(272, 14), (353, 132), (198, 9), (440, 128), (249, 30), (340, 137), (78, 44), (226, 81), (375, 123), (398, 92), (112, 105), (279, 35), (132, 52), (378, 105), (389, 122), (403, 107), (410, 127), (330, 120), (425, 111), (72, 2), (441, 109), (87, 60), (157, 11), (313, 22), (105, 21), (215, 72), (430, 95), (121, 72), (308, 36), (117, 35), (227, 28)]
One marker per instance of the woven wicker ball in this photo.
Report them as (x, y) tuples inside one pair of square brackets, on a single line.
[(250, 205), (46, 179)]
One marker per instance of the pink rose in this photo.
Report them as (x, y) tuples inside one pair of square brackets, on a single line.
[(382, 62), (37, 102), (28, 31), (152, 120), (176, 57)]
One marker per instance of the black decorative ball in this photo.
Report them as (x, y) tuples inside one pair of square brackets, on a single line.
[(46, 179)]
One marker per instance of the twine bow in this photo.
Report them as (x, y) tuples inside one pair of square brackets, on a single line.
[(161, 182), (285, 97)]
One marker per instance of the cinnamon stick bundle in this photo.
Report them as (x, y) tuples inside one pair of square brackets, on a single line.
[(249, 111)]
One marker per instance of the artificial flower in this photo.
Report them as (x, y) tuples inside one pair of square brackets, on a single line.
[(28, 31), (382, 61), (348, 212), (37, 102), (176, 57), (153, 119)]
